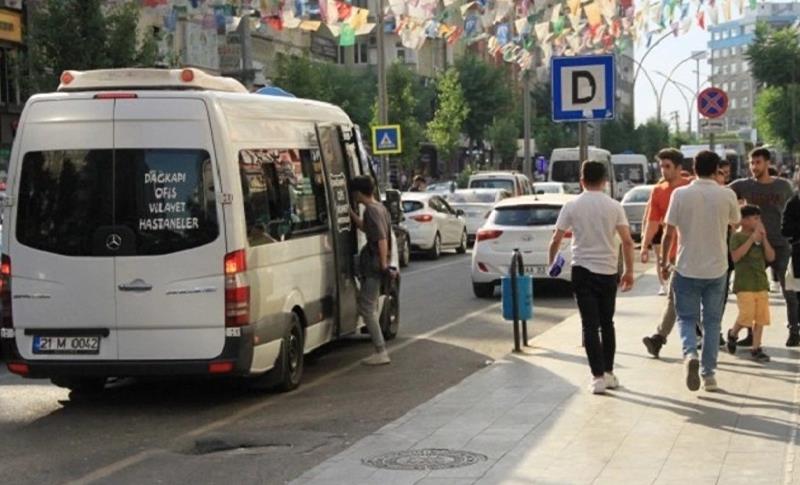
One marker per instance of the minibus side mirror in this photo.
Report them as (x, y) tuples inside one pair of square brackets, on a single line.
[(394, 205)]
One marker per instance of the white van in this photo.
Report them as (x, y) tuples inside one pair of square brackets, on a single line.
[(630, 170), (515, 183), (167, 222), (565, 166)]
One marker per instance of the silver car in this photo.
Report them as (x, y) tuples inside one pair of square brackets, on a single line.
[(635, 203)]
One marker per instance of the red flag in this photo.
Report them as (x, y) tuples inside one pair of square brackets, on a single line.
[(274, 21), (344, 9), (701, 19)]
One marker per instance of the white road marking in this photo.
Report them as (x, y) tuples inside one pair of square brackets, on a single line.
[(427, 269), (108, 470)]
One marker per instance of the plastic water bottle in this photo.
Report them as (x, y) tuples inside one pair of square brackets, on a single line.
[(557, 266)]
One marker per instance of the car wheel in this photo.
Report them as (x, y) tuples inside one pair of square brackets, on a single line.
[(462, 248), (405, 254), (436, 249), (390, 316), (483, 290), (291, 357)]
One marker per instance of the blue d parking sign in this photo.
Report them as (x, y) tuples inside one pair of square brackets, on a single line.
[(387, 140), (583, 88)]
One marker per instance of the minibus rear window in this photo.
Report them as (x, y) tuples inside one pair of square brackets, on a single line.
[(163, 198), (566, 171)]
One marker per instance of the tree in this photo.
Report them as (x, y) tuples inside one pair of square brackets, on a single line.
[(444, 130), (82, 35), (775, 118), (486, 92), (400, 83), (503, 136), (653, 136), (620, 135)]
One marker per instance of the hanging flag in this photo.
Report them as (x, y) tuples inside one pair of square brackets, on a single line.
[(503, 34), (542, 29), (753, 4), (726, 10), (347, 36), (574, 6), (343, 9), (454, 36), (593, 14), (701, 19), (358, 18)]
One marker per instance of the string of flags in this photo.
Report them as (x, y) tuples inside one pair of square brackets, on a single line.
[(525, 32)]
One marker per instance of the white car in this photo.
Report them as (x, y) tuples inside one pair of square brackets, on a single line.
[(433, 225), (525, 223), (476, 204), (549, 188), (514, 182)]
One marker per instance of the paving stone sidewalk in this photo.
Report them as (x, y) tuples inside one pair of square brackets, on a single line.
[(529, 419)]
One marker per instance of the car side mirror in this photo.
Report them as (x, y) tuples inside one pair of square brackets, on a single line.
[(394, 205), (459, 213)]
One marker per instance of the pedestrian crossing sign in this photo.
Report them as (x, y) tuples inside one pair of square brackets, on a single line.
[(386, 140)]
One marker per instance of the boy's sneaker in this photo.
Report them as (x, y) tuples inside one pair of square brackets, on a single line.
[(731, 342), (662, 291), (692, 373), (759, 355), (378, 358), (794, 339), (611, 380), (598, 385), (654, 344), (710, 384)]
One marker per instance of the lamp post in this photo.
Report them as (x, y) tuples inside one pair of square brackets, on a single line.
[(690, 101), (696, 56)]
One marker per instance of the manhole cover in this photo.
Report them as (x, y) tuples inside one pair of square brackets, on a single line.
[(425, 459)]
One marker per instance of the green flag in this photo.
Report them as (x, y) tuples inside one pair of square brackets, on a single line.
[(347, 36)]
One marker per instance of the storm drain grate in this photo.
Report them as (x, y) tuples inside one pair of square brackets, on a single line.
[(424, 459)]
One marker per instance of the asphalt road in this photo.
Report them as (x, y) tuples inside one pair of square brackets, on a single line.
[(170, 431)]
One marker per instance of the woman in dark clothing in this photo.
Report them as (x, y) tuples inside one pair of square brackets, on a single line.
[(790, 228)]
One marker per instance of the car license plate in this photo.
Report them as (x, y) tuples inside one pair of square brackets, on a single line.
[(536, 270), (66, 345)]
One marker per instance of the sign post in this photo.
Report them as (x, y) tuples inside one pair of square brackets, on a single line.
[(583, 91), (712, 103)]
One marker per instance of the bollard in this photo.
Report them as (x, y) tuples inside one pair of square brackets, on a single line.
[(518, 299)]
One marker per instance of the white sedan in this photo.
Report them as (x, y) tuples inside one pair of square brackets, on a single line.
[(476, 204), (526, 223), (433, 225)]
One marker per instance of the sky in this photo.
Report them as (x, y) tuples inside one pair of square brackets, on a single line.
[(663, 58)]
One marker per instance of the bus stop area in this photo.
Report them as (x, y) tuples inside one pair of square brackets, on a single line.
[(529, 419)]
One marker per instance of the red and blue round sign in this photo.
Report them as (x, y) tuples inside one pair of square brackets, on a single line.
[(712, 102)]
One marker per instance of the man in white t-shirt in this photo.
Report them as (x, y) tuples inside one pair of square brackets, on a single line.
[(700, 213), (595, 219)]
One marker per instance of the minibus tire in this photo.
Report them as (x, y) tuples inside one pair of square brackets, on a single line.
[(84, 386), (291, 358), (390, 316), (462, 248)]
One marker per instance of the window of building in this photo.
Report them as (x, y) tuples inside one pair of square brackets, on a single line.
[(284, 194), (746, 102), (341, 57), (734, 67), (734, 103), (360, 53), (401, 52)]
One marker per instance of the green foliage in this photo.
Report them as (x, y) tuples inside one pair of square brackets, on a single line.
[(653, 136), (549, 135), (400, 84), (463, 178), (503, 136), (444, 130), (82, 35), (775, 118), (352, 90), (487, 93), (619, 135), (774, 56)]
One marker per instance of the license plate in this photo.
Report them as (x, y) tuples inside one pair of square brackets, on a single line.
[(536, 270), (66, 345)]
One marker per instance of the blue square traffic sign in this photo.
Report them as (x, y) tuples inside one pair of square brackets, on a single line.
[(386, 140), (583, 88)]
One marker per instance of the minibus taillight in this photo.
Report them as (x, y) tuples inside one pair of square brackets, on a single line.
[(116, 96), (5, 292), (237, 290)]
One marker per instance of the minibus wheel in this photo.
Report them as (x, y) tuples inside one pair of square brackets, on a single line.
[(291, 358), (390, 316)]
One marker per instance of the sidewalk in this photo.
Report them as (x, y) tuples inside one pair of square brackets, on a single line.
[(530, 419)]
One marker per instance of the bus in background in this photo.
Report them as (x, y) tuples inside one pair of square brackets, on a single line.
[(630, 170), (732, 155), (565, 167)]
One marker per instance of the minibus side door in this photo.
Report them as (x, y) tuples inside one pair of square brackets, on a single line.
[(343, 231)]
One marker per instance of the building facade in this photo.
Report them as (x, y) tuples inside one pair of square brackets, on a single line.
[(730, 69)]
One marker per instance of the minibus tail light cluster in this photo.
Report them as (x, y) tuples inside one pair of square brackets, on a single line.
[(237, 290), (6, 320)]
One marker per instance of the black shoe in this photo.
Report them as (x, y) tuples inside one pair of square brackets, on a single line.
[(793, 340), (654, 344), (747, 341), (731, 342), (759, 355), (722, 341)]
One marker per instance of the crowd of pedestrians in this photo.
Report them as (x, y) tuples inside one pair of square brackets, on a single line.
[(705, 229)]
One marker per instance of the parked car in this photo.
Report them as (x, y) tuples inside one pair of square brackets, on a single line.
[(524, 223), (549, 188), (635, 203), (402, 239), (476, 204), (442, 187), (514, 182), (433, 225)]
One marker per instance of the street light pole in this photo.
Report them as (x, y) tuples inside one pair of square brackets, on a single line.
[(383, 101)]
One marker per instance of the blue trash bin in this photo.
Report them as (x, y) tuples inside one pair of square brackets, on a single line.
[(524, 298)]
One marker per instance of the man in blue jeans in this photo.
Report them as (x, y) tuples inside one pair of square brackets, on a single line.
[(700, 214)]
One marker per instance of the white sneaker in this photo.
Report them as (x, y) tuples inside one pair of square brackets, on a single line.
[(662, 291), (378, 358), (611, 380), (710, 384), (598, 385), (775, 287)]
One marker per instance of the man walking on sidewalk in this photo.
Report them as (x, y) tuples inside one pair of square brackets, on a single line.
[(594, 218), (671, 162), (699, 214), (770, 194)]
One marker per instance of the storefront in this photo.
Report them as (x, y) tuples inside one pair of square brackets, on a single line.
[(10, 97)]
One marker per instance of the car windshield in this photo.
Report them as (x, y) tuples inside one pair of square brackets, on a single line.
[(528, 215), (637, 196), (566, 171), (633, 172), (492, 184), (472, 198), (411, 206)]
